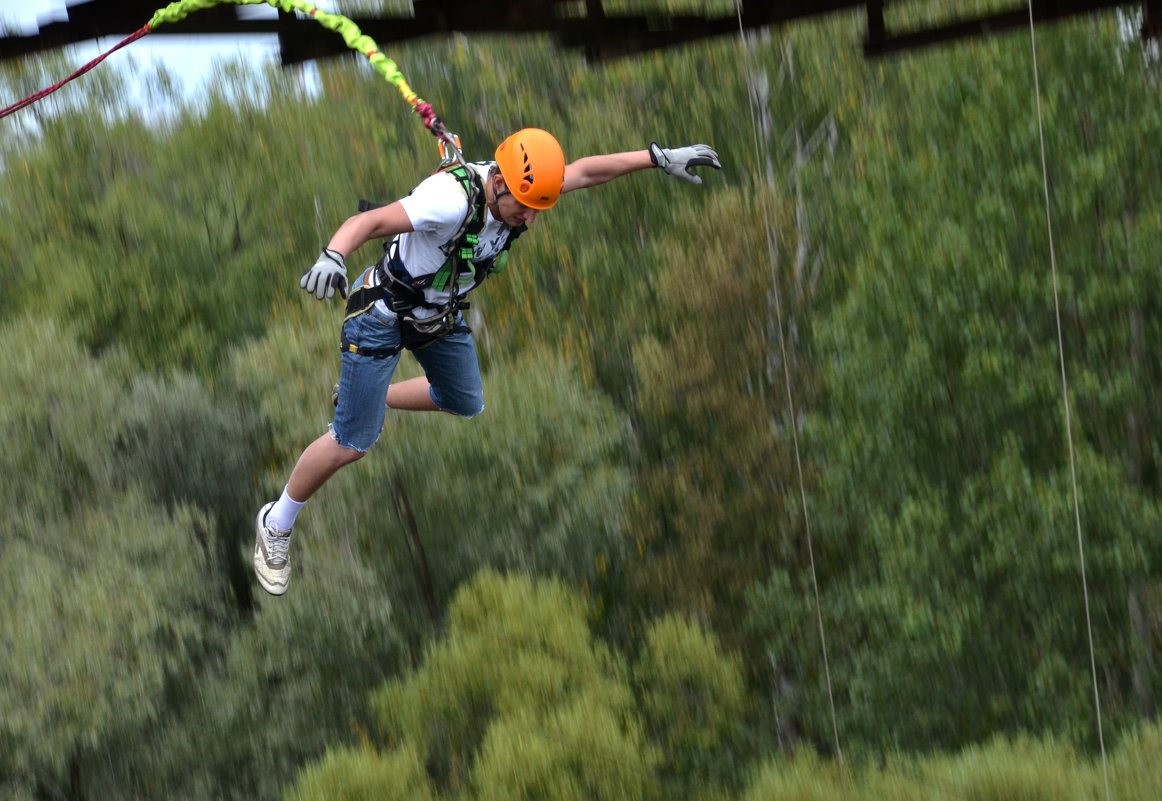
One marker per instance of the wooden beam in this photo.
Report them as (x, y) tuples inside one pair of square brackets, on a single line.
[(1043, 11), (1152, 19), (619, 37), (122, 17), (596, 33), (875, 21)]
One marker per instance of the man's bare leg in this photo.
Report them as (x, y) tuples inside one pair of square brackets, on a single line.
[(324, 457), (413, 395), (321, 460)]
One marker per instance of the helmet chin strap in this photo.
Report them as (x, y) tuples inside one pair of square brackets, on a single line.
[(494, 201)]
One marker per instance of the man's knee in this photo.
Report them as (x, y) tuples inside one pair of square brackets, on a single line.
[(461, 404), (465, 409), (346, 452), (351, 455)]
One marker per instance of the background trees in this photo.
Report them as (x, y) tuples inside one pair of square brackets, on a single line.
[(611, 565), (518, 700)]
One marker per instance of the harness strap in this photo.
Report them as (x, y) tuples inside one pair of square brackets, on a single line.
[(414, 334), (402, 293), (364, 298), (347, 346)]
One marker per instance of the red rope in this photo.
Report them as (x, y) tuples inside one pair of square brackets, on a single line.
[(43, 93)]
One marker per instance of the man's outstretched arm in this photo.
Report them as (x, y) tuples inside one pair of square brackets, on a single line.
[(329, 274), (595, 170)]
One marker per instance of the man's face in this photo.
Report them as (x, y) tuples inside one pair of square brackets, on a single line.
[(512, 212)]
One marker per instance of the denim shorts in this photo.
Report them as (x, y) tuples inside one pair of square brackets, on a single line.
[(450, 364)]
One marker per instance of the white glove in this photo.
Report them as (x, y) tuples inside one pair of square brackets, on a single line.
[(328, 274), (680, 160)]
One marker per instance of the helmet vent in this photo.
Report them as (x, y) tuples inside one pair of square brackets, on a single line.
[(522, 156)]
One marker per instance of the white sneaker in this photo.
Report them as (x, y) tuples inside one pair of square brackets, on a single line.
[(271, 554)]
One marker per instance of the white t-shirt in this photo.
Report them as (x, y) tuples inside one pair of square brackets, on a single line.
[(437, 208)]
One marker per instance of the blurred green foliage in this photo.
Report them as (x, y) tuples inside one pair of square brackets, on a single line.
[(604, 586)]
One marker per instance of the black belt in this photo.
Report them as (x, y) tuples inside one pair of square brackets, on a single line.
[(347, 346), (361, 300), (358, 302)]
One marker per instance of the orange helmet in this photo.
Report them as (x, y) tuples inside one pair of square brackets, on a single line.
[(533, 166)]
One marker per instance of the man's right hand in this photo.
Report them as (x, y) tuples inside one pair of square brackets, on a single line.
[(328, 274)]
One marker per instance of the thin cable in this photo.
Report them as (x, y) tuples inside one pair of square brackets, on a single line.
[(1065, 401), (43, 93), (771, 252)]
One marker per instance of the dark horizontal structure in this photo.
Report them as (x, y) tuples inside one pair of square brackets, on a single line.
[(581, 25)]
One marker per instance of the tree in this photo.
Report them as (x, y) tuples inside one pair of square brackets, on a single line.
[(536, 484), (287, 686), (517, 700), (948, 555), (363, 774), (720, 500), (94, 637), (692, 698)]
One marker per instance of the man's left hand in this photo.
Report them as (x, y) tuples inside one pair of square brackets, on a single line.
[(680, 161)]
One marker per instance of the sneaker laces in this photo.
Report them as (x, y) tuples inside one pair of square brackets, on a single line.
[(277, 544)]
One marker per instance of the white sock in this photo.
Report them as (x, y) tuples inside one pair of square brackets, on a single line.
[(284, 512)]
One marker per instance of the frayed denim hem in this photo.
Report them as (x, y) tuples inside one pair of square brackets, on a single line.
[(341, 444)]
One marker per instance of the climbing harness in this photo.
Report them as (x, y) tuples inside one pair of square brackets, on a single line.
[(389, 281)]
